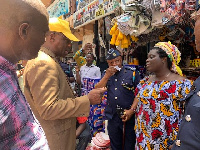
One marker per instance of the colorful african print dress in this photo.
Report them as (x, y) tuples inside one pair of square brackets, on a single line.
[(96, 118), (159, 111)]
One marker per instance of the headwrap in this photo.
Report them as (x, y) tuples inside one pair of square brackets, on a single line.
[(112, 54), (173, 53)]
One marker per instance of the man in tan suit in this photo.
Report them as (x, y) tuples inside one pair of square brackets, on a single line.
[(48, 91)]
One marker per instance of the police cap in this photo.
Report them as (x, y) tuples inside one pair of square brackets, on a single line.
[(112, 54)]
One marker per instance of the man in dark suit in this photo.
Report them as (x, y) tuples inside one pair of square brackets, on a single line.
[(188, 137)]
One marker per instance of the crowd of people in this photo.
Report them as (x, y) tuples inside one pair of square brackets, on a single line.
[(157, 112)]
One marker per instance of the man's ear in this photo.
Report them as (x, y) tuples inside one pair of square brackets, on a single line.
[(52, 36), (23, 30)]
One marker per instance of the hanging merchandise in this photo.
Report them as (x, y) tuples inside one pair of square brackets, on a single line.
[(118, 38), (142, 21), (129, 25), (177, 9), (138, 20)]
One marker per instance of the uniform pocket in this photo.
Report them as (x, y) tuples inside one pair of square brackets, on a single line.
[(128, 84)]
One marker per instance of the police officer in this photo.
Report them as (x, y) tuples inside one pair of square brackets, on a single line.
[(188, 137), (120, 82)]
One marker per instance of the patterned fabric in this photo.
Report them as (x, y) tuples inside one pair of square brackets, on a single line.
[(18, 127), (159, 112), (173, 53), (95, 119), (80, 60)]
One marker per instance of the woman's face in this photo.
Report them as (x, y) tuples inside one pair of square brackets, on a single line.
[(154, 62)]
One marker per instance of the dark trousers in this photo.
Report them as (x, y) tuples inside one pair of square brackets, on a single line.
[(115, 131), (83, 142)]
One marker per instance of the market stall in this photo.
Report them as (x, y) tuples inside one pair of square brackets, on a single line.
[(141, 24)]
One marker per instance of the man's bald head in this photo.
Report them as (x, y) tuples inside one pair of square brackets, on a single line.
[(14, 12), (23, 24)]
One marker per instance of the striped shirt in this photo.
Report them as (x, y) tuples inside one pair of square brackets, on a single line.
[(19, 130)]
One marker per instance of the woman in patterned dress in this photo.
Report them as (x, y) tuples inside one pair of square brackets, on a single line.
[(158, 104)]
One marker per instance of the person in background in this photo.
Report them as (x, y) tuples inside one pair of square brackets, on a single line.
[(79, 56), (20, 73), (21, 37), (158, 105), (121, 82), (68, 71), (48, 91), (189, 132), (89, 70), (91, 73), (82, 133)]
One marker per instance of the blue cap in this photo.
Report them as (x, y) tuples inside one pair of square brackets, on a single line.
[(112, 54)]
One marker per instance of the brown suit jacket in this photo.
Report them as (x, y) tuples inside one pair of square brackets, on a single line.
[(52, 101)]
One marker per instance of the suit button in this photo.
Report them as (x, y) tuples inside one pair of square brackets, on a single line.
[(116, 80), (116, 98), (188, 118), (115, 89), (178, 143)]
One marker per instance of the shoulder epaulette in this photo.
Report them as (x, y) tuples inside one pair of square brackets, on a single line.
[(130, 68)]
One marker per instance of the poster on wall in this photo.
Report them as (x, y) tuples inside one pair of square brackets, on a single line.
[(94, 11), (82, 3), (127, 1), (58, 8)]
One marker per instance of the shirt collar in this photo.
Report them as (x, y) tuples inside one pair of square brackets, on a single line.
[(50, 53), (90, 66), (6, 65)]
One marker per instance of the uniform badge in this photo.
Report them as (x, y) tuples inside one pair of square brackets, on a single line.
[(188, 118), (198, 93), (114, 54), (178, 143)]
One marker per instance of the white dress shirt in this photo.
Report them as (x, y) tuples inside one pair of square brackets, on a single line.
[(92, 72)]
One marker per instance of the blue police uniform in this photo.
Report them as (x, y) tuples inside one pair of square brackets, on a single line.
[(120, 94), (188, 137)]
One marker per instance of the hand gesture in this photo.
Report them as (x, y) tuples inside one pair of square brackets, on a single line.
[(110, 71), (95, 95), (87, 48), (127, 115)]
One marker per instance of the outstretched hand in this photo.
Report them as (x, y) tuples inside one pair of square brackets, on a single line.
[(95, 95)]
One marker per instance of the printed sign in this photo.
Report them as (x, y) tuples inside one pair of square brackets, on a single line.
[(58, 8), (95, 10)]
